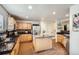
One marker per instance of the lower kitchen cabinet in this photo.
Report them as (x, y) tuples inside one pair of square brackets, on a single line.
[(25, 37), (23, 25), (41, 44), (22, 38), (63, 40), (60, 38), (16, 48)]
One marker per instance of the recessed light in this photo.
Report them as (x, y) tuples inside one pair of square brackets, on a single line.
[(27, 17), (53, 12), (30, 7), (67, 15)]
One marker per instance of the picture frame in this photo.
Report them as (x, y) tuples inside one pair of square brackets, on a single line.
[(75, 22), (1, 23)]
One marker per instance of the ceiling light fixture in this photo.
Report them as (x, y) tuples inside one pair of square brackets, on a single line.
[(30, 7), (53, 12), (67, 15), (27, 17)]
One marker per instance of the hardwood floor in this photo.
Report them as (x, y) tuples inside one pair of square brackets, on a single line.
[(56, 50), (27, 49)]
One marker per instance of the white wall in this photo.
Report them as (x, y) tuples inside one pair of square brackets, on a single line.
[(74, 36), (5, 16)]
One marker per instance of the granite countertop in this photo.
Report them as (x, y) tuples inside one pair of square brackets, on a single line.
[(8, 47), (66, 35), (10, 42), (40, 37)]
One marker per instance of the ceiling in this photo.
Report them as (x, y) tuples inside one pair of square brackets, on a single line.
[(39, 11)]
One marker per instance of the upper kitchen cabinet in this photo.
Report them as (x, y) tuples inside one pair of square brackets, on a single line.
[(3, 19), (66, 25), (63, 25), (29, 25), (11, 23), (23, 25)]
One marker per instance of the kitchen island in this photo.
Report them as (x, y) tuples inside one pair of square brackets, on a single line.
[(42, 43)]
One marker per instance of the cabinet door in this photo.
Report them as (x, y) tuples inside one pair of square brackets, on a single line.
[(42, 44), (60, 38), (20, 26), (16, 25), (29, 26), (25, 37), (24, 25), (29, 37), (21, 38)]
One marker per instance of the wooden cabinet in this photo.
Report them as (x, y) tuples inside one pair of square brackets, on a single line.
[(29, 26), (21, 25), (25, 37), (18, 26), (41, 44), (22, 38), (60, 38), (15, 49), (11, 23), (25, 26), (29, 37)]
